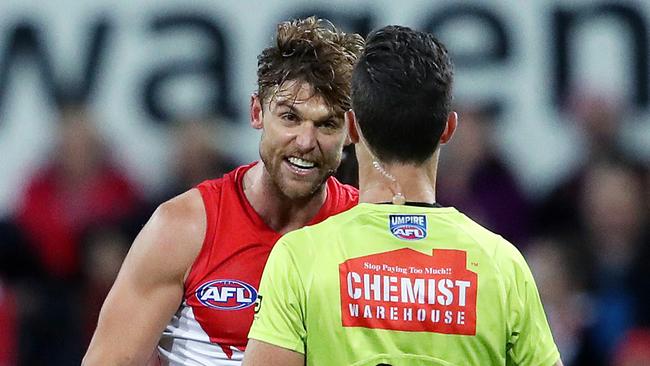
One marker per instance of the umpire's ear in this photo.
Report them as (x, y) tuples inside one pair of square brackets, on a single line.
[(450, 127), (351, 122)]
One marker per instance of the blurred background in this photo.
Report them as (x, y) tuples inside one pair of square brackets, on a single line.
[(109, 107)]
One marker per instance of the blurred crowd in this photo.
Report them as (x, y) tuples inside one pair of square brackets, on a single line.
[(77, 216), (587, 241)]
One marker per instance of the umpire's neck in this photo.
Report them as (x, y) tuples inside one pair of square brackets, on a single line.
[(416, 182), (382, 182)]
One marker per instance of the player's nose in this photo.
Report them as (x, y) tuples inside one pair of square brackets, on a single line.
[(306, 137)]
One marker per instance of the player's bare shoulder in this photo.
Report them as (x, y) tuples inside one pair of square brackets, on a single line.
[(173, 236), (149, 287), (182, 217)]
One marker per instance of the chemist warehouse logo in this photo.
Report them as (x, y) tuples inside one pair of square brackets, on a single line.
[(226, 294), (410, 291), (408, 227)]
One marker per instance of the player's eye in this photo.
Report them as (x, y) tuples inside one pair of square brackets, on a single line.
[(330, 124), (290, 117)]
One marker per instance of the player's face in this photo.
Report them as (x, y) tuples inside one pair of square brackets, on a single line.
[(302, 139)]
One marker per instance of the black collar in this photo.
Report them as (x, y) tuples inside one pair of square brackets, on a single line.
[(418, 204)]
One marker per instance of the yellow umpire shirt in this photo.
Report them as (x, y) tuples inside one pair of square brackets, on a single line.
[(402, 285)]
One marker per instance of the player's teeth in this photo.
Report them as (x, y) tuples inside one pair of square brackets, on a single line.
[(301, 163)]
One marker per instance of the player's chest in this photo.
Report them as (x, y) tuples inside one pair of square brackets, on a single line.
[(222, 286)]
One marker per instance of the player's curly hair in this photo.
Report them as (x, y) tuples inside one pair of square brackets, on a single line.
[(314, 51)]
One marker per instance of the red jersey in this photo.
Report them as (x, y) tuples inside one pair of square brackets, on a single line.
[(211, 326)]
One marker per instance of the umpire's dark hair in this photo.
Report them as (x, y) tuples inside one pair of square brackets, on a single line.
[(401, 93)]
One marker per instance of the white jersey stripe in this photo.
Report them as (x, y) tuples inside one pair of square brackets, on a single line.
[(185, 343)]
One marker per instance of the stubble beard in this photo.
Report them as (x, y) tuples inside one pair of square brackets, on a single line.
[(293, 190), (284, 186)]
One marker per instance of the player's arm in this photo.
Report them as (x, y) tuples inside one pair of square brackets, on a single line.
[(149, 288), (260, 353)]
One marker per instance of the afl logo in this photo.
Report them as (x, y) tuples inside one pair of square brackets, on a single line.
[(226, 294), (408, 227)]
